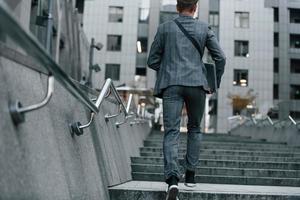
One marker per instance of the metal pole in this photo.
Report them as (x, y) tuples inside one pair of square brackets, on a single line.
[(129, 103), (49, 26), (91, 58)]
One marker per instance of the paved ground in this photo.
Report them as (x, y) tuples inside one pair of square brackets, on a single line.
[(212, 188)]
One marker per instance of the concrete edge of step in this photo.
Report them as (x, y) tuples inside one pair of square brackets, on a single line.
[(212, 188)]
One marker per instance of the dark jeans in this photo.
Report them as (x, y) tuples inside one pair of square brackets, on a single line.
[(174, 98)]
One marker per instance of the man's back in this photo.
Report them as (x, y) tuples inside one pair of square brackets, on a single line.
[(177, 60)]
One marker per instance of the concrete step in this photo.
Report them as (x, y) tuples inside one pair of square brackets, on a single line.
[(226, 144), (221, 139), (219, 179), (141, 190), (205, 135), (246, 172), (228, 147), (218, 137), (228, 152), (230, 157), (224, 163)]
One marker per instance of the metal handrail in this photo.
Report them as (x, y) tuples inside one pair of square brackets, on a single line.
[(274, 124), (270, 120), (280, 122), (129, 114), (265, 119), (289, 118), (293, 121), (77, 129), (11, 27)]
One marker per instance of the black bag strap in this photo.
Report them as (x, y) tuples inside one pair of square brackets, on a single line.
[(193, 40)]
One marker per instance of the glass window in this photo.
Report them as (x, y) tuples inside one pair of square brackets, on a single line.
[(114, 42), (295, 66), (144, 11), (295, 16), (141, 71), (142, 44), (241, 48), (275, 91), (115, 14), (80, 6), (276, 39), (240, 77), (143, 15), (295, 114), (112, 71), (38, 19), (241, 19), (295, 92), (214, 18), (295, 41), (276, 65), (276, 15)]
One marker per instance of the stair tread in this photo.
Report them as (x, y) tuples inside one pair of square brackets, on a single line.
[(231, 150), (227, 168), (224, 176), (217, 160), (211, 188), (246, 141), (234, 162), (234, 157)]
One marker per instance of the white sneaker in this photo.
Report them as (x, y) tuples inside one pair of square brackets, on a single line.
[(191, 185), (189, 177)]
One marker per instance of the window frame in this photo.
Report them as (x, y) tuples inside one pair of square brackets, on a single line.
[(109, 14), (107, 43), (237, 77), (276, 14), (213, 15), (295, 66), (240, 54), (144, 44), (276, 39), (110, 65), (294, 96), (240, 19), (275, 91)]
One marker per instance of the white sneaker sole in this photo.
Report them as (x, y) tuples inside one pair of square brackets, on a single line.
[(190, 185)]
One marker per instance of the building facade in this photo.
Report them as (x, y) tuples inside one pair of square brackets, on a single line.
[(115, 24), (245, 29), (286, 56)]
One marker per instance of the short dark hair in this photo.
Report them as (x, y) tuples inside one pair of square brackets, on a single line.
[(181, 6)]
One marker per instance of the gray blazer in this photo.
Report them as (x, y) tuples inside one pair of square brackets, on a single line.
[(175, 58)]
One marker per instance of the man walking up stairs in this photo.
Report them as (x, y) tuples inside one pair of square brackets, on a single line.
[(176, 54)]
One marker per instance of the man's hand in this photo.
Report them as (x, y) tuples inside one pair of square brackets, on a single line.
[(209, 91)]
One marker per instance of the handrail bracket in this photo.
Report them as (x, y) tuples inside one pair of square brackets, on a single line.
[(77, 128), (17, 111)]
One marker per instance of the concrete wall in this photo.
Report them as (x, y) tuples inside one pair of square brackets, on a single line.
[(40, 160)]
